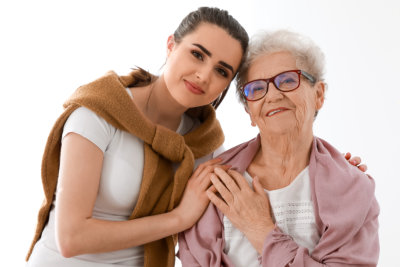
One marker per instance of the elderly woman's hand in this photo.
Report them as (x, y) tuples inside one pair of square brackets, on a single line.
[(247, 209)]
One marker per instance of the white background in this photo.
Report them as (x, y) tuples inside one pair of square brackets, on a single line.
[(49, 48)]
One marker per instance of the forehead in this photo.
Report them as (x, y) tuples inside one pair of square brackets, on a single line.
[(222, 46), (268, 65)]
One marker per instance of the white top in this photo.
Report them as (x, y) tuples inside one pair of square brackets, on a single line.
[(293, 212), (118, 190)]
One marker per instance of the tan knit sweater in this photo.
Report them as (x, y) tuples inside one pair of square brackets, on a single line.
[(161, 189)]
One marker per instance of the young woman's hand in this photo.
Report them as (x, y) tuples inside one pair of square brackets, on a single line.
[(247, 209), (194, 200), (356, 161)]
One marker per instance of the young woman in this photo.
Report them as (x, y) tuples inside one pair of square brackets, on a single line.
[(118, 159)]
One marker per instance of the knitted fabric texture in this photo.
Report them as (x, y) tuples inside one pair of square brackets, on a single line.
[(161, 188)]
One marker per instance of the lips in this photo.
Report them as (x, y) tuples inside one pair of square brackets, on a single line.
[(275, 111), (195, 89)]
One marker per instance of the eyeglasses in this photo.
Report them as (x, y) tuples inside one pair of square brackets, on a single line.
[(285, 82)]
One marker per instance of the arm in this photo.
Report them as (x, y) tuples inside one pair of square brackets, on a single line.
[(78, 233), (249, 211), (203, 244), (357, 249)]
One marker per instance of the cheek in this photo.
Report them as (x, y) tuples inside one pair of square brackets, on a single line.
[(172, 66), (305, 109), (254, 110), (167, 79), (216, 87), (167, 73), (171, 73)]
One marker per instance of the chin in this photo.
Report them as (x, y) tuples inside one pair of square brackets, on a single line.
[(279, 125)]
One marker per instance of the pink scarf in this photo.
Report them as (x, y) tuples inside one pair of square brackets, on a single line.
[(346, 213)]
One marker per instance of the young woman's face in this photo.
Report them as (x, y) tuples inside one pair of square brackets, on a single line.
[(202, 65)]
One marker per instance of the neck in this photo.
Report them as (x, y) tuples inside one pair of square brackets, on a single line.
[(158, 105), (281, 158)]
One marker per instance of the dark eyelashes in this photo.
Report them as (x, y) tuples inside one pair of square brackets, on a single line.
[(222, 72), (199, 56)]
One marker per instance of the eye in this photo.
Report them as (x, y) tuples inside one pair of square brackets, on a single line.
[(287, 81), (222, 72), (258, 88), (197, 54)]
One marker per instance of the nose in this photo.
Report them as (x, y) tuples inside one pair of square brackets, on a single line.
[(203, 74), (273, 94)]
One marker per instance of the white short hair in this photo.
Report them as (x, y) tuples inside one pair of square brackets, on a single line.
[(308, 55)]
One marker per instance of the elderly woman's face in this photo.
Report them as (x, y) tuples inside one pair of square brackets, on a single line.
[(283, 112)]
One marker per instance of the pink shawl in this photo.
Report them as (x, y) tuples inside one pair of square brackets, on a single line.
[(346, 213)]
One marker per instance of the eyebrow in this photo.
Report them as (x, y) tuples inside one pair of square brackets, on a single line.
[(208, 53)]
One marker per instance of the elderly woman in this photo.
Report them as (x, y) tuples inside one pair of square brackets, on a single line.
[(290, 198)]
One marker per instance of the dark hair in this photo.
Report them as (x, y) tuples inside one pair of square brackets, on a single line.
[(215, 16), (218, 17), (211, 15)]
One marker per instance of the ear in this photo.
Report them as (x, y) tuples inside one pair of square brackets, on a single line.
[(319, 94), (170, 44)]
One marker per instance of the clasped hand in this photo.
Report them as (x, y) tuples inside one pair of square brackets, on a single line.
[(195, 200), (248, 209)]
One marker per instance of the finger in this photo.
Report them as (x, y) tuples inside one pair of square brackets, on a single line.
[(239, 179), (212, 189), (227, 180), (205, 182), (203, 165), (210, 169), (203, 178), (363, 167), (222, 190), (218, 202), (257, 186), (225, 167), (355, 161), (207, 170)]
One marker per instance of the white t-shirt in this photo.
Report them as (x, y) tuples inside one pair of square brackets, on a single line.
[(118, 189), (293, 212)]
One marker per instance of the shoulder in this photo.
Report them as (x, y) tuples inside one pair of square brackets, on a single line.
[(90, 125), (337, 183), (325, 156), (249, 148), (85, 117)]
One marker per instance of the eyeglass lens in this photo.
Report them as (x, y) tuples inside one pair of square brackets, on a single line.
[(285, 82)]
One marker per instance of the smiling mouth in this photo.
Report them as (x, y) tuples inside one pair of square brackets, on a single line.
[(194, 88), (275, 111)]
